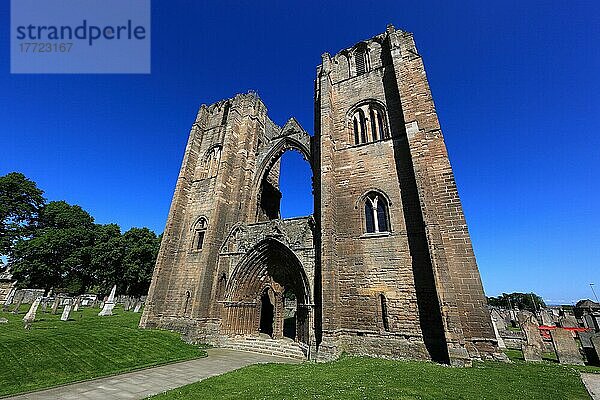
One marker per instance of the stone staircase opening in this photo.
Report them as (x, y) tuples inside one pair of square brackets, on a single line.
[(264, 344)]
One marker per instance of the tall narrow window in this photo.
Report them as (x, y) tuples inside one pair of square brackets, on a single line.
[(376, 214), (212, 163), (381, 127), (199, 234), (384, 313), (374, 125), (361, 62), (359, 125), (363, 128)]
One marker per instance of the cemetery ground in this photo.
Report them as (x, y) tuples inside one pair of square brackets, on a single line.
[(55, 352), (372, 378), (87, 346)]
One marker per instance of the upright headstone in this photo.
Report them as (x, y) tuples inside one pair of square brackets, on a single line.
[(565, 346), (127, 304), (30, 316), (137, 307), (532, 349), (66, 312), (568, 321), (17, 305), (595, 339), (588, 347), (109, 304), (495, 318), (76, 306), (500, 320), (55, 305), (546, 318)]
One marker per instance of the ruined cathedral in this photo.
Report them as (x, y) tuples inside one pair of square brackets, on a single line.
[(383, 267)]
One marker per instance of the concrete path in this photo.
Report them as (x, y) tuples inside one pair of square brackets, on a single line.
[(592, 384), (141, 384)]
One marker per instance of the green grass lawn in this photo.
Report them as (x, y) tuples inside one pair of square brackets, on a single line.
[(54, 352), (369, 378)]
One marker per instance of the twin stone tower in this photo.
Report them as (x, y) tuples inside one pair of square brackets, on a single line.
[(384, 267)]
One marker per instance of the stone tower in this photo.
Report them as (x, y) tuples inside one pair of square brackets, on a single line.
[(384, 267)]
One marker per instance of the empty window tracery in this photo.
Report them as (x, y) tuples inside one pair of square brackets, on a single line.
[(199, 234), (361, 61), (211, 163), (376, 213), (371, 129)]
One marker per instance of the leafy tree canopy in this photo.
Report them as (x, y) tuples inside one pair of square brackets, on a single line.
[(522, 301), (20, 201), (58, 245)]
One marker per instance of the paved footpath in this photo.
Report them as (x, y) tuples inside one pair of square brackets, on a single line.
[(147, 382), (592, 384)]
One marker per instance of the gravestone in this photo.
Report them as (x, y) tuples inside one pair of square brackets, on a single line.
[(500, 320), (18, 305), (532, 349), (66, 312), (137, 307), (44, 305), (76, 306), (109, 304), (127, 304), (523, 316), (55, 305), (595, 339), (565, 346), (546, 318), (30, 316), (591, 354), (568, 321), (495, 318)]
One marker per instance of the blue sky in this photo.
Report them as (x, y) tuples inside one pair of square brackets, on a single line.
[(516, 85)]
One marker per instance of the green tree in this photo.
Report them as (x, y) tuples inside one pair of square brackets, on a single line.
[(140, 251), (58, 253), (523, 301), (20, 201), (107, 256)]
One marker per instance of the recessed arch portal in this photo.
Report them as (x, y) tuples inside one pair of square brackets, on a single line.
[(273, 269)]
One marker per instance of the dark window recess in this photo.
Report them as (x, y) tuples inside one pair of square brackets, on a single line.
[(382, 217), (384, 313), (361, 62), (369, 217), (373, 127), (200, 240)]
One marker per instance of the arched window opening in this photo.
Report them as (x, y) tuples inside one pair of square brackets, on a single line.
[(187, 301), (360, 58), (360, 127), (384, 313), (374, 132), (225, 114), (371, 130), (211, 163), (376, 214), (199, 234), (356, 132), (286, 189), (381, 127)]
